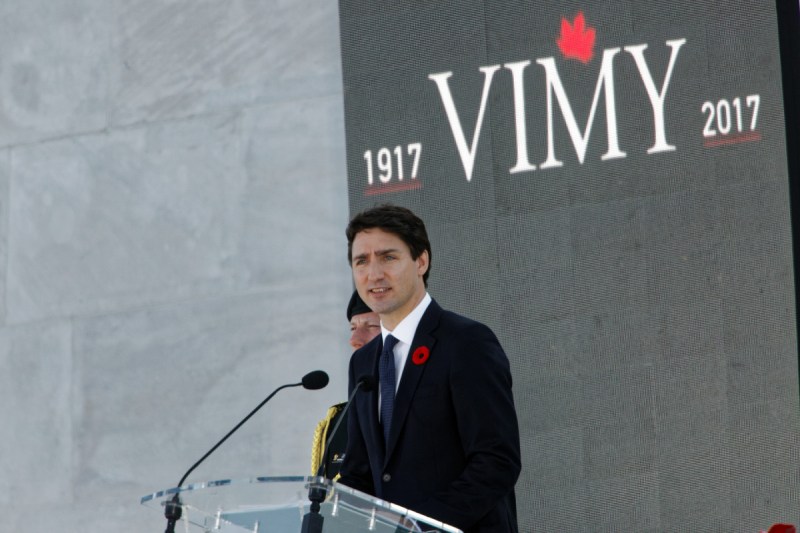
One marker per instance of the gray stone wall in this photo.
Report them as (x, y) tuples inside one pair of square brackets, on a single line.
[(172, 206)]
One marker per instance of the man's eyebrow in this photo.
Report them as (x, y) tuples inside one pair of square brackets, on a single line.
[(378, 253), (359, 256), (387, 251)]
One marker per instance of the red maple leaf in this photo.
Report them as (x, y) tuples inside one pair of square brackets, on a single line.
[(782, 528), (577, 40)]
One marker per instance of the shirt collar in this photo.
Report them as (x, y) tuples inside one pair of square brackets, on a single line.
[(405, 330)]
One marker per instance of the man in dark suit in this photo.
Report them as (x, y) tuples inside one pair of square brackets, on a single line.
[(439, 435)]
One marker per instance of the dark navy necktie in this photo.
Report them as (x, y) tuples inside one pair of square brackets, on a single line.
[(387, 380)]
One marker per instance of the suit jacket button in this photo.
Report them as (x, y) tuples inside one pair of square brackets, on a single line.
[(387, 478)]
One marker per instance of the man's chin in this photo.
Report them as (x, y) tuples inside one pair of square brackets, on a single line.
[(381, 307)]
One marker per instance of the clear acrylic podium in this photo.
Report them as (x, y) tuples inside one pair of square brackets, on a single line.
[(278, 504)]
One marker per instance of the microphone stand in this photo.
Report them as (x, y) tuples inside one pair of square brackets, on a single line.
[(312, 520), (173, 508)]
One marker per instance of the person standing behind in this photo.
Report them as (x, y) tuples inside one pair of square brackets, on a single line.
[(440, 434), (365, 325)]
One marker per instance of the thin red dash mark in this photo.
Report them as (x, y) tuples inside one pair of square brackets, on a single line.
[(394, 187), (733, 139)]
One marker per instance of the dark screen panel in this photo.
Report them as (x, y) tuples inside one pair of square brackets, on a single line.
[(636, 267)]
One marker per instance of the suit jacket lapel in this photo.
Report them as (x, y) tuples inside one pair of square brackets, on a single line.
[(375, 436), (412, 373)]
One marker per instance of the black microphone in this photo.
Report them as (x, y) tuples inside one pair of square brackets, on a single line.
[(368, 383), (315, 380), (312, 521), (312, 381)]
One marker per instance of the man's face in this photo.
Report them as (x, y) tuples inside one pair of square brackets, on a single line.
[(386, 277), (363, 328)]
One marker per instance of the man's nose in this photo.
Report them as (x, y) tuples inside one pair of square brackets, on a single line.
[(375, 270), (356, 339)]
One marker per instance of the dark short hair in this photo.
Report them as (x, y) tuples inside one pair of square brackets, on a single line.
[(396, 220)]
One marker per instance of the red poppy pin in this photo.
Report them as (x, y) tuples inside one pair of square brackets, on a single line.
[(421, 355)]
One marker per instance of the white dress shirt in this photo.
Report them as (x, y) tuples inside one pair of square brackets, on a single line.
[(404, 333)]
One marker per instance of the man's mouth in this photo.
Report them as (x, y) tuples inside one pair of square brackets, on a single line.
[(379, 290)]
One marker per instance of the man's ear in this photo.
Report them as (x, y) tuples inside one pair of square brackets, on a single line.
[(423, 263)]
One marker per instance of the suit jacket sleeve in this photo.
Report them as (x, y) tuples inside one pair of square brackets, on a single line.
[(480, 391), (355, 470)]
